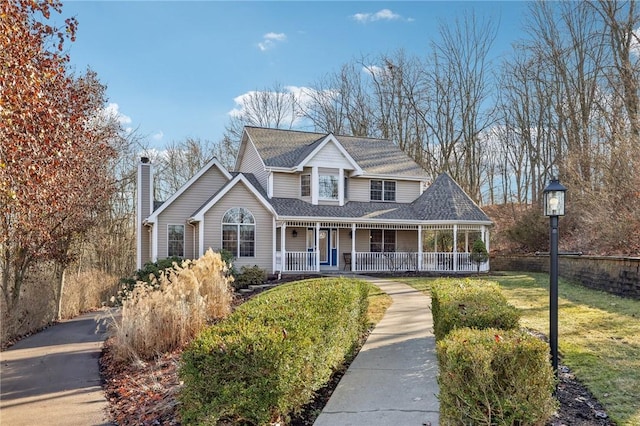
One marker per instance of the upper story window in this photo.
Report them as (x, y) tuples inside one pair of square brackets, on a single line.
[(383, 190), (328, 187), (175, 241), (305, 185), (239, 232)]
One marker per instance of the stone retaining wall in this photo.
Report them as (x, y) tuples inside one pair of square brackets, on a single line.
[(616, 275)]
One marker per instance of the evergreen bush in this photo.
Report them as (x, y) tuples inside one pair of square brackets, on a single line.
[(494, 377), (253, 275), (459, 303), (266, 360)]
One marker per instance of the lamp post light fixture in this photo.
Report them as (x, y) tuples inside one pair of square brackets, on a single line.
[(553, 207)]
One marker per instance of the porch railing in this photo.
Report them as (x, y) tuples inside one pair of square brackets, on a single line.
[(382, 262), (304, 261), (300, 261)]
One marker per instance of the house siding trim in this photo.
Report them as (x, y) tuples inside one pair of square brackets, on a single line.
[(214, 162), (199, 215), (330, 138)]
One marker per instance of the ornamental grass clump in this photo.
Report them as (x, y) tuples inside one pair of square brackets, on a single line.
[(494, 377), (170, 311), (459, 303), (266, 360)]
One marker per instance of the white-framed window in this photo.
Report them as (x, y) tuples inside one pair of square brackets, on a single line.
[(383, 190), (175, 240), (305, 185), (239, 232), (382, 240), (328, 187)]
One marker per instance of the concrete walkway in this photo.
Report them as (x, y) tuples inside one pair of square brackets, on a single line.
[(392, 381), (53, 377)]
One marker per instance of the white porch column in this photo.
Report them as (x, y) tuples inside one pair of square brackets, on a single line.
[(419, 247), (283, 253), (341, 187), (314, 185), (487, 245), (273, 244), (317, 249), (435, 241), (455, 248), (353, 247), (466, 241)]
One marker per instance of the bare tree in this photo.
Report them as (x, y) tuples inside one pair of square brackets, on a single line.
[(460, 72)]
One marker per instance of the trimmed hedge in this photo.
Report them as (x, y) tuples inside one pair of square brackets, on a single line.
[(458, 303), (494, 377), (266, 360)]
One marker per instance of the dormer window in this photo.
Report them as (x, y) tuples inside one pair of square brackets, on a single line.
[(328, 187), (383, 190)]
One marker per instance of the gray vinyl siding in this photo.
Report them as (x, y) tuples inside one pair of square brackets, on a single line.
[(344, 243), (330, 154), (407, 241), (298, 243), (287, 185), (251, 163), (183, 207), (240, 196), (360, 190)]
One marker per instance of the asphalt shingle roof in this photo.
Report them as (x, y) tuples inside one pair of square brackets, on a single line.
[(286, 148), (444, 200)]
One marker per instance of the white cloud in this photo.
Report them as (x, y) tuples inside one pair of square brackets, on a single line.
[(373, 70), (301, 94), (158, 136), (381, 15), (269, 40), (112, 111)]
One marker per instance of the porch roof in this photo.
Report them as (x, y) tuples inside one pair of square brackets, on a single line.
[(443, 201)]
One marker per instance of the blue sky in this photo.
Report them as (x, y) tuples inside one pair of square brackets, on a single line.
[(173, 69)]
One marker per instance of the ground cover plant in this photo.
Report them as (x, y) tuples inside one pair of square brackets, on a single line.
[(599, 336)]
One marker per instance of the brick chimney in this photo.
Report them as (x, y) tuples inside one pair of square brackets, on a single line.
[(144, 207)]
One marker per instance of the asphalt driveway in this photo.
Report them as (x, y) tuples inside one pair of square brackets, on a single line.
[(53, 377)]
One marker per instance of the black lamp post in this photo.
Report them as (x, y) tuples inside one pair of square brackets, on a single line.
[(554, 207)]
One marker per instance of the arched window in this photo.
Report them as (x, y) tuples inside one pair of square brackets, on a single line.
[(239, 232)]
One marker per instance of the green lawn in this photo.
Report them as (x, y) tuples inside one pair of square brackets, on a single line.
[(598, 336)]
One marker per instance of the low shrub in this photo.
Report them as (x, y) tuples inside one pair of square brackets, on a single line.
[(266, 360), (146, 276), (168, 312), (459, 303), (494, 377), (253, 275)]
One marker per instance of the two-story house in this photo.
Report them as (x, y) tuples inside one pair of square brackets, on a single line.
[(302, 202)]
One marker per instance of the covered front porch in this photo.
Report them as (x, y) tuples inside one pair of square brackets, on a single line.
[(306, 246)]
